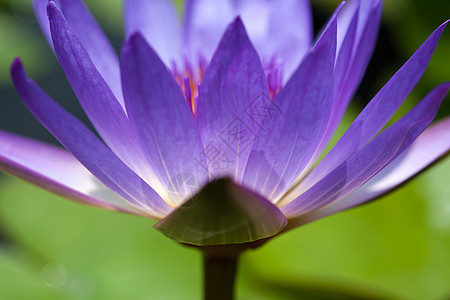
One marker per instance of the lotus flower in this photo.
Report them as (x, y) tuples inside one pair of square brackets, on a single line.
[(214, 125)]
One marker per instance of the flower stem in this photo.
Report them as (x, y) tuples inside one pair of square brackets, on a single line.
[(219, 276)]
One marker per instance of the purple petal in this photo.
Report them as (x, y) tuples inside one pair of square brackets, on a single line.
[(344, 54), (234, 83), (96, 98), (86, 147), (162, 119), (353, 57), (90, 35), (158, 21), (48, 166), (345, 18), (278, 29), (348, 19), (431, 145), (377, 112), (371, 159), (288, 140)]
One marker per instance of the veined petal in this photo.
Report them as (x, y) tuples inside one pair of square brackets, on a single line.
[(278, 29), (233, 91), (353, 57), (347, 19), (96, 98), (162, 120), (344, 54), (87, 148), (371, 159), (376, 114), (158, 21), (368, 22), (91, 36), (429, 147), (57, 171), (284, 148)]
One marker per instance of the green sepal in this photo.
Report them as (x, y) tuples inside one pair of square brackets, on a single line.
[(223, 213)]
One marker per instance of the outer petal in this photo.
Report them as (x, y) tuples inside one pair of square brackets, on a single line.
[(91, 36), (162, 119), (376, 114), (87, 148), (368, 16), (353, 57), (234, 83), (345, 18), (96, 98), (371, 159), (158, 21), (57, 171), (430, 146), (280, 153), (344, 54), (346, 38), (276, 28)]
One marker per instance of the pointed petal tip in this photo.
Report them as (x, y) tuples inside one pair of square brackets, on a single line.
[(18, 72), (235, 31), (442, 89), (237, 26), (237, 21), (329, 33), (51, 7), (446, 84), (441, 27), (132, 43), (336, 11), (55, 17), (135, 35), (16, 65), (331, 23), (133, 39)]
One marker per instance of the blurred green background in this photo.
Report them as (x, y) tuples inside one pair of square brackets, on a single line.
[(395, 248)]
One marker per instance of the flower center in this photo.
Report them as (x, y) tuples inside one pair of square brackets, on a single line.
[(274, 76), (189, 81), (191, 78)]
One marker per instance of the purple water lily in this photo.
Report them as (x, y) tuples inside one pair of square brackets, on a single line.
[(214, 125), (250, 98), (189, 103)]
